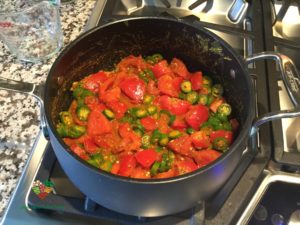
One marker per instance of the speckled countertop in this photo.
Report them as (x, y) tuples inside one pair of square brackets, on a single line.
[(19, 114)]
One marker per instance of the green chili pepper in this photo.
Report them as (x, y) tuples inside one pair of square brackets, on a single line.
[(154, 168), (62, 130), (108, 114), (190, 130), (106, 165), (153, 59), (192, 97), (156, 136), (146, 75), (141, 113), (203, 99), (220, 144), (96, 160), (217, 90), (80, 92), (75, 131), (148, 99), (182, 96), (151, 109), (186, 86), (164, 140), (224, 109), (83, 112), (215, 123), (227, 126), (174, 134), (210, 99), (206, 80), (171, 117), (66, 118), (146, 141)]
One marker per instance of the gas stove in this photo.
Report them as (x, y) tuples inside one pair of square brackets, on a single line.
[(264, 189)]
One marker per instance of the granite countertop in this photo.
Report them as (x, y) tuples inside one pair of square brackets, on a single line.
[(19, 117)]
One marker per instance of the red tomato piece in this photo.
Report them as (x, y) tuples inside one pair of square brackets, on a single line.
[(204, 157), (169, 173), (221, 133), (152, 89), (179, 68), (149, 123), (176, 83), (215, 104), (93, 81), (130, 141), (92, 101), (165, 85), (111, 95), (196, 80), (80, 152), (140, 173), (181, 145), (127, 165), (161, 68), (119, 108), (132, 61), (97, 123), (90, 146), (200, 140), (179, 123), (196, 116), (115, 168), (146, 157), (186, 166), (234, 124), (134, 88), (174, 105)]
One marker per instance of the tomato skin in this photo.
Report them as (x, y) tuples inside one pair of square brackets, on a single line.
[(169, 173), (196, 80), (134, 88), (165, 85), (186, 166), (176, 84), (221, 133), (179, 123), (140, 173), (79, 152), (179, 68), (200, 140), (151, 88), (146, 157), (115, 168), (119, 108), (215, 104), (181, 145), (161, 68), (111, 95), (89, 145), (127, 165), (204, 157), (174, 105), (95, 119), (149, 123), (93, 81), (196, 116)]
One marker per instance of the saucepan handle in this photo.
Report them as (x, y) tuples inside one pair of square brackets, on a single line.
[(291, 79), (27, 88)]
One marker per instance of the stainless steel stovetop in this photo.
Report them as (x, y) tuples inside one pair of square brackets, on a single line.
[(271, 170)]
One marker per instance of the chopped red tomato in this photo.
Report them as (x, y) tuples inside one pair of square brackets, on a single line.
[(127, 165), (132, 61), (215, 104), (174, 105), (146, 157), (204, 157), (115, 168), (72, 110), (196, 116), (196, 80), (161, 68), (234, 124), (90, 146), (149, 123), (179, 68), (80, 152), (168, 174), (93, 81), (221, 133), (151, 88), (140, 173), (186, 166), (97, 123), (165, 85), (176, 84), (130, 141), (200, 140), (111, 95), (181, 145), (134, 88), (119, 108), (92, 101), (179, 123)]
